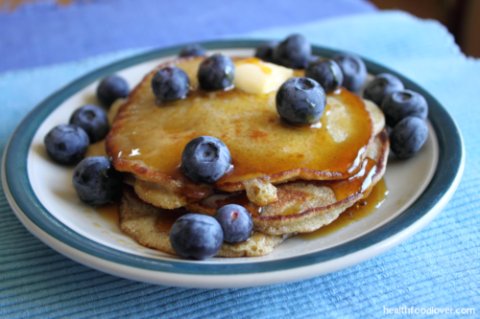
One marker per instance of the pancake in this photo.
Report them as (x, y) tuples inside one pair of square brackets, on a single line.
[(306, 206), (302, 207), (146, 140), (150, 227), (291, 179), (259, 191)]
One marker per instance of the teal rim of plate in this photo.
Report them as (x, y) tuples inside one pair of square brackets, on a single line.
[(449, 163)]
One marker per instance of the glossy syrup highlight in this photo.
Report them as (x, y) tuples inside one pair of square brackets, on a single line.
[(259, 142), (360, 210)]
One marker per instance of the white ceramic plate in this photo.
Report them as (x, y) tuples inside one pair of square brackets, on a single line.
[(41, 194)]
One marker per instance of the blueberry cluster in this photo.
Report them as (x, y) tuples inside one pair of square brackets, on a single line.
[(405, 113), (95, 180), (216, 72), (301, 101), (198, 236), (206, 159), (67, 143), (293, 52)]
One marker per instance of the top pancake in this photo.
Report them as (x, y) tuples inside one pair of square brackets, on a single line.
[(147, 139)]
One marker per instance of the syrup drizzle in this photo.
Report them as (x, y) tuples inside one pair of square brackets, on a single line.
[(259, 142), (360, 210)]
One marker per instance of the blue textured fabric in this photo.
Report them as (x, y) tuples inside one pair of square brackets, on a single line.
[(55, 34), (437, 267)]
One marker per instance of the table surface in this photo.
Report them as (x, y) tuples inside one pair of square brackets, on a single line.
[(45, 46)]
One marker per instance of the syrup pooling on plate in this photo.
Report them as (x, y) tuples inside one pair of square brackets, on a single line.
[(259, 142), (109, 213), (361, 209), (299, 198)]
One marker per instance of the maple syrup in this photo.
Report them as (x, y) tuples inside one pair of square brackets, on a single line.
[(109, 213), (259, 142), (165, 220), (97, 149), (361, 209)]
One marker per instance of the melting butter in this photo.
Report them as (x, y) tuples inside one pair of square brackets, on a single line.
[(257, 77)]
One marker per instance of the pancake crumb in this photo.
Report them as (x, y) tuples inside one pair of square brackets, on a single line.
[(260, 191)]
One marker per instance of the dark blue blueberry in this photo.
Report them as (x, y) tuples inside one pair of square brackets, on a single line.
[(327, 73), (192, 50), (112, 88), (96, 181), (196, 236), (389, 130), (300, 101), (265, 51), (170, 84), (408, 136), (93, 120), (400, 104), (236, 223), (381, 86), (216, 73), (205, 159), (313, 59), (66, 144), (293, 52), (353, 69)]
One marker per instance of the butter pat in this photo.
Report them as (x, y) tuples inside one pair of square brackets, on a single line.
[(254, 76), (338, 121)]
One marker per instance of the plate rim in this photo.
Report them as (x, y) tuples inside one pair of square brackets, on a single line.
[(21, 196)]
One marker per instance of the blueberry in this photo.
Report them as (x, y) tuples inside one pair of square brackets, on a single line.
[(408, 136), (327, 73), (205, 159), (66, 144), (192, 50), (236, 223), (313, 59), (265, 51), (293, 52), (93, 120), (111, 88), (353, 69), (400, 104), (300, 101), (170, 83), (196, 236), (96, 181), (381, 86), (216, 73)]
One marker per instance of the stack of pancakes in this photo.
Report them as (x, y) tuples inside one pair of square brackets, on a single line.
[(292, 179)]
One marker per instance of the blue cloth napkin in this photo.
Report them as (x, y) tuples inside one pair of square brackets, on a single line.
[(438, 267), (84, 28)]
